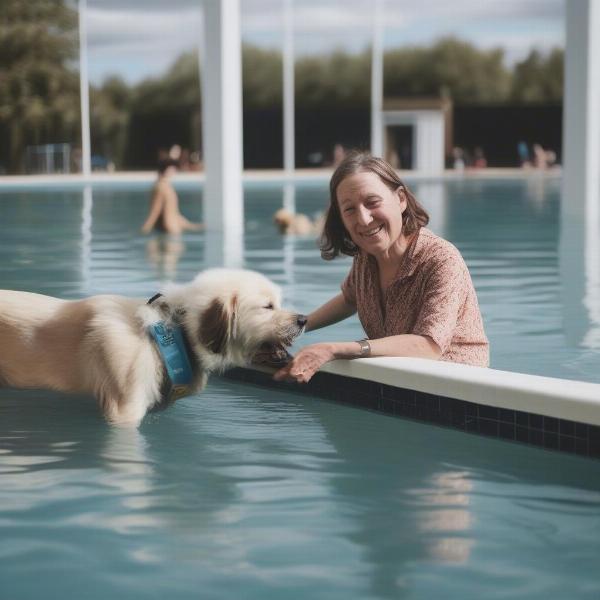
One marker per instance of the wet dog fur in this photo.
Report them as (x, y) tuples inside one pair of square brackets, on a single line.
[(100, 345)]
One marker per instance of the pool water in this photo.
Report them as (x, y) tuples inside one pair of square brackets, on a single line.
[(242, 492)]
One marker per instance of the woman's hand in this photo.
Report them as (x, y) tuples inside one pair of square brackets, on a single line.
[(306, 363)]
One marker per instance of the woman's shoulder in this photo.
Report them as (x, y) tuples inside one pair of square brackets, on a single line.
[(436, 250)]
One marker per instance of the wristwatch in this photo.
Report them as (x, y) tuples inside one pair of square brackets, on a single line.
[(365, 348)]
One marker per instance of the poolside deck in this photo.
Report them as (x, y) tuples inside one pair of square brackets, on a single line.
[(266, 175)]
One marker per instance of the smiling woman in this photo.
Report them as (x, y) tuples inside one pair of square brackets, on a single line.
[(412, 289)]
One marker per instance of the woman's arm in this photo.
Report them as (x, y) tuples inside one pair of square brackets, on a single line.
[(156, 207), (329, 313), (407, 344), (311, 358)]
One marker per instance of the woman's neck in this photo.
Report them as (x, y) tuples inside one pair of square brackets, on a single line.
[(391, 258)]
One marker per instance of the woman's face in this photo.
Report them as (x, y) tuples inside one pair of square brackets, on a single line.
[(371, 212)]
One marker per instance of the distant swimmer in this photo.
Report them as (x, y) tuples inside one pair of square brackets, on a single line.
[(164, 212)]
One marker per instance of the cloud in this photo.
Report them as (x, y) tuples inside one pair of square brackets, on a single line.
[(136, 44), (141, 39), (144, 31), (316, 15)]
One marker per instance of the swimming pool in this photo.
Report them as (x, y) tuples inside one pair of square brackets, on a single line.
[(245, 492), (540, 316)]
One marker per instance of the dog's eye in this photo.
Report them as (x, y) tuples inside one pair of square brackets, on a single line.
[(269, 306)]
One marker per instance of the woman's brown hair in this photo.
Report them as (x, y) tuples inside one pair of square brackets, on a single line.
[(335, 239)]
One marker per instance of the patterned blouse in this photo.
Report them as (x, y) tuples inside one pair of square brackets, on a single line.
[(432, 295)]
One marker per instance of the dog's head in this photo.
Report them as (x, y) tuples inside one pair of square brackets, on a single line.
[(283, 220), (231, 313)]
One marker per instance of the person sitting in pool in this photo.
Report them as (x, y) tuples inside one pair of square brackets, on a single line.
[(412, 289), (164, 212)]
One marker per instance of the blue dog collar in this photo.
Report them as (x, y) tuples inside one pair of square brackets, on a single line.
[(171, 345)]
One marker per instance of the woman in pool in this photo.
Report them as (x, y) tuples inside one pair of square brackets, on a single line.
[(164, 212), (412, 290)]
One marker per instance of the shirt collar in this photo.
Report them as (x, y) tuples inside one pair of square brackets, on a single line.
[(409, 261)]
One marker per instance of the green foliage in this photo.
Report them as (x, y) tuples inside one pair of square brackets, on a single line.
[(262, 77), (334, 79), (110, 108), (178, 88), (539, 78), (39, 90), (450, 67)]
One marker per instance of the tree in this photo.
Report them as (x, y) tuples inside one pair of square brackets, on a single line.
[(110, 108), (39, 88), (450, 67), (333, 80), (178, 88), (165, 111), (538, 78), (262, 75)]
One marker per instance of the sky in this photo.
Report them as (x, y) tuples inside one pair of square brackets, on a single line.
[(137, 39)]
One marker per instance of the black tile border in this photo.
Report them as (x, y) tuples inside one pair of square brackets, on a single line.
[(506, 424)]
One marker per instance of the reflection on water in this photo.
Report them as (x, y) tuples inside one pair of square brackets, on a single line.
[(445, 520), (243, 493), (223, 249), (289, 197), (86, 237), (580, 275), (164, 251)]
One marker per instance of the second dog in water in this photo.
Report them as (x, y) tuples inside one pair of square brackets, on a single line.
[(289, 223)]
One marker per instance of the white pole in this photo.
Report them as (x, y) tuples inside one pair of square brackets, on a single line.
[(434, 196), (86, 161), (289, 130), (580, 205), (581, 114), (222, 130), (377, 81), (289, 155)]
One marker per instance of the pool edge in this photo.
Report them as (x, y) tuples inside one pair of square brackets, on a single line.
[(544, 412)]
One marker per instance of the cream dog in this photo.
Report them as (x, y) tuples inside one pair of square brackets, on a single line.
[(132, 354), (289, 223)]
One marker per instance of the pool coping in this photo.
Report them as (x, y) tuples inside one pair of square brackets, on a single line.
[(263, 176), (555, 414)]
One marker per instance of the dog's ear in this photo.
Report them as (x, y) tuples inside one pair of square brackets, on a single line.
[(217, 324), (214, 327)]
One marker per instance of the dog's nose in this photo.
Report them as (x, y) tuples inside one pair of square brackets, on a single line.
[(302, 320)]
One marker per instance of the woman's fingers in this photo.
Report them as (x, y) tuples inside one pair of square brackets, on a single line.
[(282, 374), (293, 371), (305, 364)]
